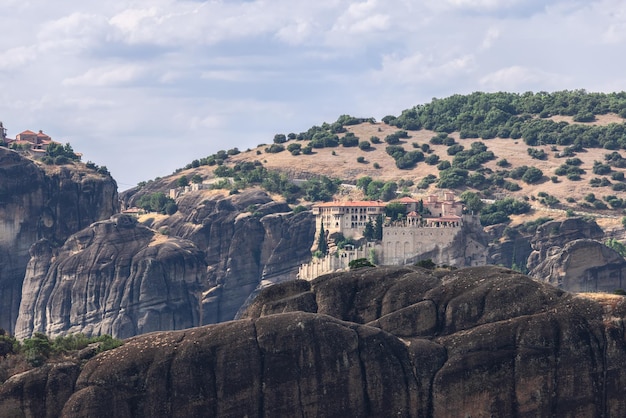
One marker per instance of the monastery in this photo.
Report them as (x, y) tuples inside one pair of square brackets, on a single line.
[(35, 142), (430, 226)]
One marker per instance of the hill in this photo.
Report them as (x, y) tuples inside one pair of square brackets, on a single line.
[(561, 152)]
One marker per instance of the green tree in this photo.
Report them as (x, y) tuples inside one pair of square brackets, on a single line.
[(182, 181), (368, 232), (472, 201), (378, 228), (617, 246), (532, 175), (395, 210), (322, 245), (359, 263), (37, 349), (363, 182), (280, 138), (388, 191)]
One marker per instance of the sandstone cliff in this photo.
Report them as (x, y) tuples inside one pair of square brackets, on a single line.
[(551, 236), (248, 239), (402, 341), (115, 277), (36, 202), (583, 265)]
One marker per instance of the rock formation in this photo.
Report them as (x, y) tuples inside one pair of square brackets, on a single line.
[(401, 341), (36, 202), (115, 277), (551, 236), (249, 240), (567, 254), (583, 265)]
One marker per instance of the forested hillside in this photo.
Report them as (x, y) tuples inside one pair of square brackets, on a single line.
[(558, 150)]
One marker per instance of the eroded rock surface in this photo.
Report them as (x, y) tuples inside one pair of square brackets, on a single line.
[(36, 203), (552, 236), (583, 266), (115, 277), (402, 341), (248, 239)]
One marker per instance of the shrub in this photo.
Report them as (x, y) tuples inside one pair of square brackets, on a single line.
[(601, 169), (274, 148), (502, 163), (537, 154), (432, 159), (359, 263), (455, 149), (532, 175), (280, 139), (299, 209), (360, 159), (364, 145)]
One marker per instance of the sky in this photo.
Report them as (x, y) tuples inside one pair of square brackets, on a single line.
[(145, 87)]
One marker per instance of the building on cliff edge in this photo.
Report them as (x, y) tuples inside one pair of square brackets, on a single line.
[(430, 227)]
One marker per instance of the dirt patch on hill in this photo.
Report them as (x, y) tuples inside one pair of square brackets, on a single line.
[(341, 162)]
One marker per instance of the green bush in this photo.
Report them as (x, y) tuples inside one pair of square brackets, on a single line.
[(359, 263)]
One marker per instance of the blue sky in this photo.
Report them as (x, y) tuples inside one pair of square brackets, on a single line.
[(144, 87)]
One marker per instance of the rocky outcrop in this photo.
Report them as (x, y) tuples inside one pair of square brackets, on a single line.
[(552, 236), (38, 202), (115, 277), (402, 341), (249, 240), (583, 266), (40, 392)]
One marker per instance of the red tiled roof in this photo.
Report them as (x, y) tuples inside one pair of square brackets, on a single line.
[(27, 132), (361, 203), (413, 214)]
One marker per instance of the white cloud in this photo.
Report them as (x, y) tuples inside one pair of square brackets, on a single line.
[(75, 31), (517, 78), (296, 32), (418, 68), (490, 38), (362, 17), (197, 69), (108, 76), (17, 57)]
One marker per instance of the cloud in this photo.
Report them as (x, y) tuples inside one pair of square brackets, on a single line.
[(516, 78), (108, 76), (295, 32), (72, 33), (490, 38), (419, 68), (17, 57)]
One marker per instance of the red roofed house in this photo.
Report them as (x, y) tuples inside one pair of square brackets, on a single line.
[(36, 142)]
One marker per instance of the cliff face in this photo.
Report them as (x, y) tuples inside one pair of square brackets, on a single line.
[(552, 236), (249, 240), (36, 203), (567, 255), (482, 341), (115, 277), (583, 266)]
